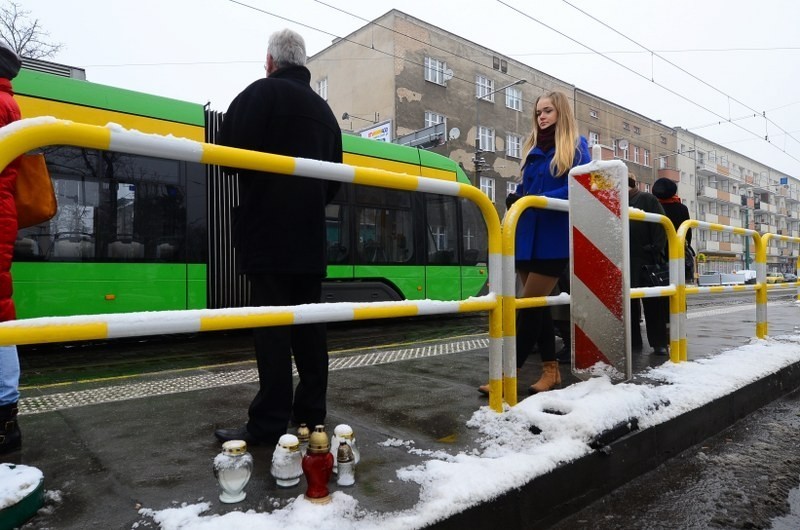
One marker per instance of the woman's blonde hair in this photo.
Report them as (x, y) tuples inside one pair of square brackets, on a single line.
[(566, 133)]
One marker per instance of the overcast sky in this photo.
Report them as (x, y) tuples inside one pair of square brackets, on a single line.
[(714, 67)]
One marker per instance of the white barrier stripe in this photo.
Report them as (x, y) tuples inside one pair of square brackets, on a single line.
[(598, 318), (439, 309), (135, 142), (509, 277), (654, 292), (443, 187), (305, 167), (495, 271), (160, 326), (559, 205), (598, 232)]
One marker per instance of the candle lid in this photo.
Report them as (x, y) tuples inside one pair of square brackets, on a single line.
[(343, 431), (234, 447), (289, 441), (318, 441)]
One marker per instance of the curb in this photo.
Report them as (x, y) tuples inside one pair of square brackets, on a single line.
[(571, 487)]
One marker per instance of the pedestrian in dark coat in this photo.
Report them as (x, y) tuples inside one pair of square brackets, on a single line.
[(10, 436), (648, 244), (667, 193), (279, 235)]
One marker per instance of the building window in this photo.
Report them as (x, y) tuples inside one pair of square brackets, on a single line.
[(432, 118), (664, 140), (322, 88), (625, 153), (484, 86), (486, 138), (434, 70), (511, 187), (636, 154), (662, 162), (637, 130), (614, 148), (594, 138), (514, 98), (514, 145), (646, 157), (487, 187), (626, 126), (593, 114)]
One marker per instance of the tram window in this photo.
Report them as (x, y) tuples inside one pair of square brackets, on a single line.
[(383, 197), (474, 235), (385, 235), (442, 223), (337, 229), (111, 207)]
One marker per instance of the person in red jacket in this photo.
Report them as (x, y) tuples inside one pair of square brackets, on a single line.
[(10, 437)]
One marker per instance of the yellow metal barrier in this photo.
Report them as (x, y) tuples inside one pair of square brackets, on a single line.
[(766, 238), (759, 288), (22, 136)]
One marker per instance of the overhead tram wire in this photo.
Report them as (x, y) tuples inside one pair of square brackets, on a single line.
[(388, 54), (472, 82), (450, 53), (693, 76), (664, 87)]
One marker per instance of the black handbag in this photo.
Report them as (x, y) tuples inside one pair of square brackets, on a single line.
[(656, 275)]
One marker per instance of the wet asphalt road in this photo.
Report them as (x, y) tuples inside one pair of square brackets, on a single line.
[(745, 477)]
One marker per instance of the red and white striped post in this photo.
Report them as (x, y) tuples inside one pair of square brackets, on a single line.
[(599, 268)]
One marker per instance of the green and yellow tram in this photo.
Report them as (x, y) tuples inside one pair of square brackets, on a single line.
[(138, 233)]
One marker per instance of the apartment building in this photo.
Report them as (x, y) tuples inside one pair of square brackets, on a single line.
[(419, 84), (401, 79), (732, 189)]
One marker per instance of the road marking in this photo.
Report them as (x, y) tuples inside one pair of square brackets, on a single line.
[(190, 383)]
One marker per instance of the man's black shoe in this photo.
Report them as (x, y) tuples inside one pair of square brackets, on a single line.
[(226, 435), (660, 350)]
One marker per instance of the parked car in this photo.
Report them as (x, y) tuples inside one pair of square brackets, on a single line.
[(749, 275), (775, 277), (789, 276)]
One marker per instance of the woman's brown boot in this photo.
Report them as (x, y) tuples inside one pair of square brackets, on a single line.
[(551, 377)]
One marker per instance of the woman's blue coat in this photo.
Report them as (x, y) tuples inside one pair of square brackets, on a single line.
[(544, 234)]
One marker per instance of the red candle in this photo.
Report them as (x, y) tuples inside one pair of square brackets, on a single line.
[(318, 466)]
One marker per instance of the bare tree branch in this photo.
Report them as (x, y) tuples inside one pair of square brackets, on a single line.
[(23, 34)]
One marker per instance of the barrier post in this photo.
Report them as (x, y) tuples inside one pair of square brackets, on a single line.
[(761, 286), (599, 267)]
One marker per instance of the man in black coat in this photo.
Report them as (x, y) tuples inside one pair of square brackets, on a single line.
[(648, 243), (279, 235)]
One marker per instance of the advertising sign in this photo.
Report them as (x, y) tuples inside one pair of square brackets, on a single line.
[(381, 132)]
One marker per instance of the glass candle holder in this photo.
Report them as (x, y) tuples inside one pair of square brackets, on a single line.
[(287, 461), (318, 466), (303, 433), (232, 468), (343, 432), (346, 464)]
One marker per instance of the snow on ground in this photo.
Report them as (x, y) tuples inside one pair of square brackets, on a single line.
[(510, 455)]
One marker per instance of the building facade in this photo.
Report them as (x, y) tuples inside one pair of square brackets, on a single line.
[(404, 80)]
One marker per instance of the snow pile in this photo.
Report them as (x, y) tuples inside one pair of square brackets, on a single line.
[(16, 483)]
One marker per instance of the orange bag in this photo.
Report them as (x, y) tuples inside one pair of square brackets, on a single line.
[(35, 196)]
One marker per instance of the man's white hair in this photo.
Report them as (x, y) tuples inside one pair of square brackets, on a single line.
[(287, 48)]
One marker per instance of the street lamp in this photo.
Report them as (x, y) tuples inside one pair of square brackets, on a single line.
[(347, 116), (478, 160)]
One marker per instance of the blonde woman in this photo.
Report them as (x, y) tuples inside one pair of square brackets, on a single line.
[(542, 239)]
